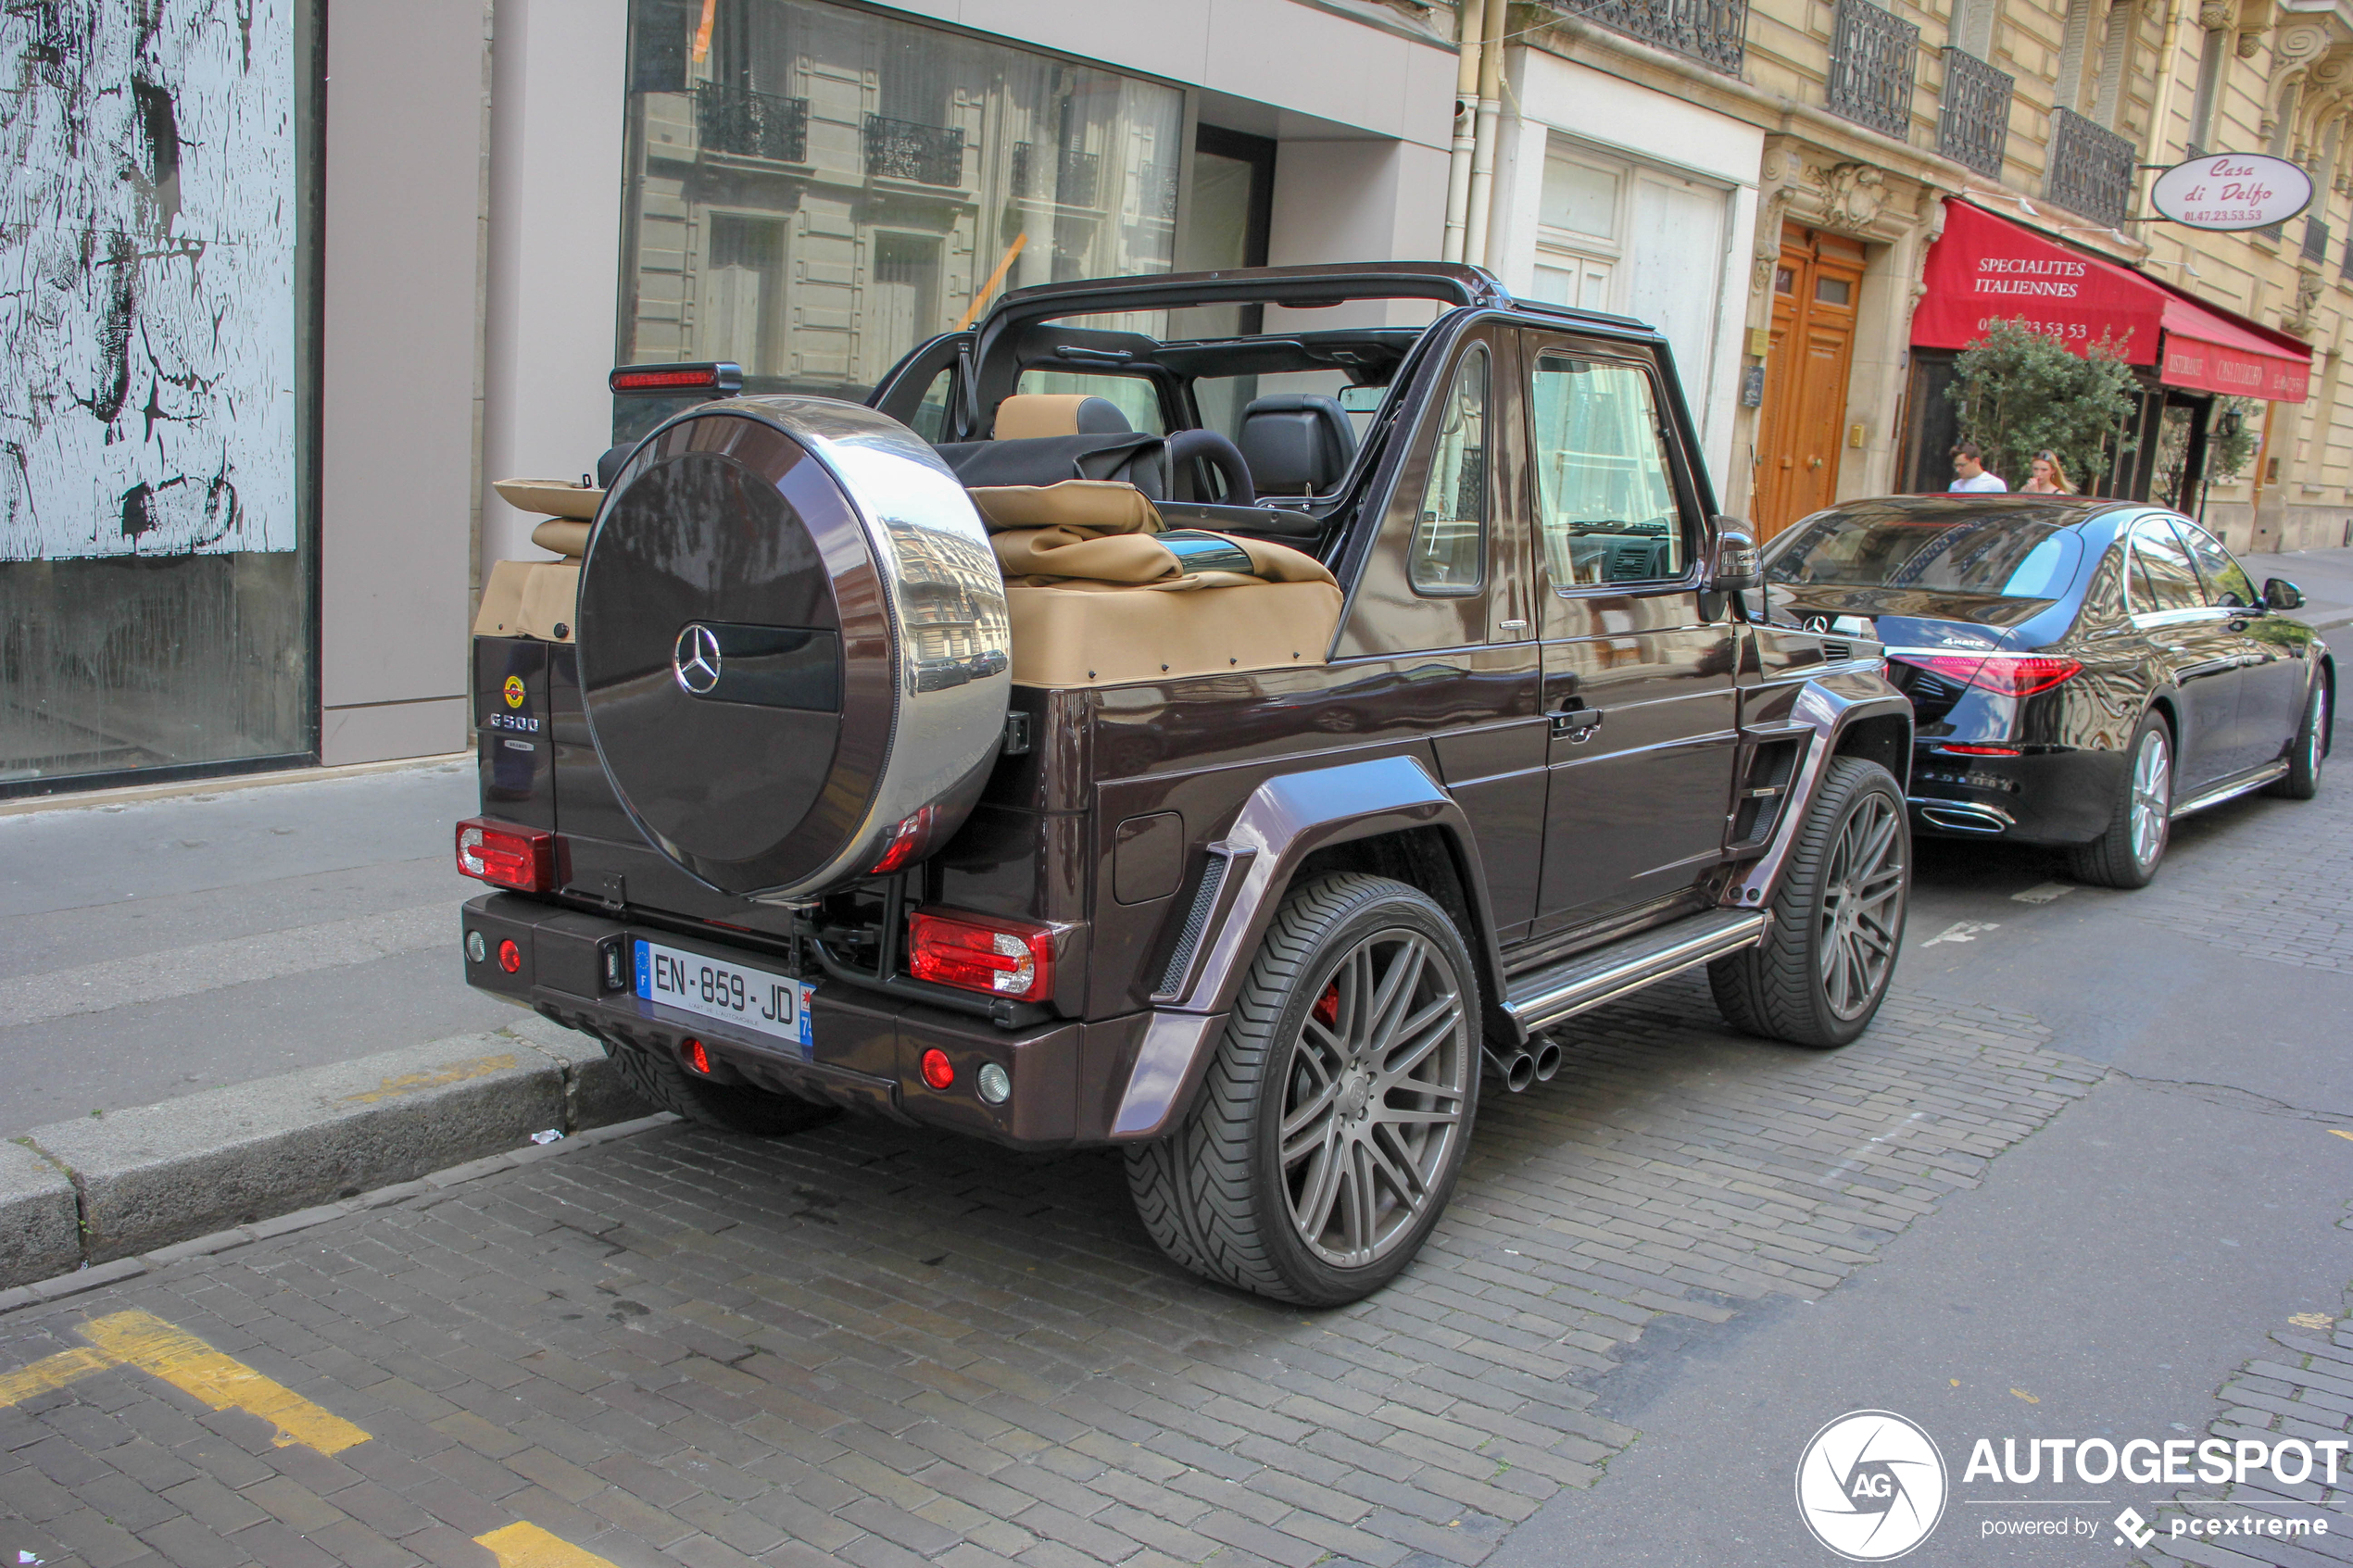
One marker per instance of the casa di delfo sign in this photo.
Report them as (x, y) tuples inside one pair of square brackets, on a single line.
[(2232, 191)]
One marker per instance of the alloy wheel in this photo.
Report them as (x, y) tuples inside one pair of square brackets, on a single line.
[(2315, 740), (2152, 797), (1372, 1098), (1862, 907)]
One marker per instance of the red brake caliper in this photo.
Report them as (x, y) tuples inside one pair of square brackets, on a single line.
[(1327, 1008)]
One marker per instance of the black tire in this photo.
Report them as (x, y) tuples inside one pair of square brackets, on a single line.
[(1818, 977), (736, 1108), (2140, 817), (2311, 749), (1218, 1195)]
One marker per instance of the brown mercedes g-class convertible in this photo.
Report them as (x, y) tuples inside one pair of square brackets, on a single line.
[(1224, 731)]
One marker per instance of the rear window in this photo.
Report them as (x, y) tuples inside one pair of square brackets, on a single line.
[(2016, 557)]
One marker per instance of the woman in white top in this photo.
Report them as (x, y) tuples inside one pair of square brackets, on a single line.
[(2049, 478), (1970, 471)]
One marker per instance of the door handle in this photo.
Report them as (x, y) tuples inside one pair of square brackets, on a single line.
[(1574, 725)]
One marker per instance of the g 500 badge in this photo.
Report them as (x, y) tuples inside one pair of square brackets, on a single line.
[(516, 694)]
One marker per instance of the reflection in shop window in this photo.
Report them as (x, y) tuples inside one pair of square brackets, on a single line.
[(814, 190)]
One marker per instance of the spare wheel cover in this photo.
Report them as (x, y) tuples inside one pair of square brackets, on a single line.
[(794, 649)]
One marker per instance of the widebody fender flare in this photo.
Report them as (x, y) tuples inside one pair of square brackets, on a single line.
[(1826, 712), (1285, 820)]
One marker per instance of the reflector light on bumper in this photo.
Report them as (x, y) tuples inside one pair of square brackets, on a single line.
[(507, 856), (997, 958)]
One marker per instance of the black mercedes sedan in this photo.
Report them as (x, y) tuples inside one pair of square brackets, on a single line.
[(2084, 672)]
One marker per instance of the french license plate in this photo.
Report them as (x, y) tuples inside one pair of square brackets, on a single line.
[(774, 1005)]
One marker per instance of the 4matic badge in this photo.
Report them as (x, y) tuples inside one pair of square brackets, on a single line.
[(1870, 1485)]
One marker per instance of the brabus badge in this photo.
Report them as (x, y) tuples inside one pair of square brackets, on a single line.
[(695, 660), (513, 691)]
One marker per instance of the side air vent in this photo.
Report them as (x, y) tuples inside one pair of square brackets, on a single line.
[(1837, 653), (1764, 792), (1180, 962)]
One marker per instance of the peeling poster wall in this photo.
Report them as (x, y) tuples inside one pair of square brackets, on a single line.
[(148, 210)]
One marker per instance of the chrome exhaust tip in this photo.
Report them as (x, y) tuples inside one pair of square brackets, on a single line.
[(1548, 1062), (1517, 1069), (1963, 815)]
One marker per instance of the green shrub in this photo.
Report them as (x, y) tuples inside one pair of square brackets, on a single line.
[(2020, 393)]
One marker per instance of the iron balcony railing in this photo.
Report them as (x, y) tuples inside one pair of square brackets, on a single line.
[(1073, 179), (1974, 125), (1874, 58), (902, 149), (2091, 169), (749, 124), (2316, 241), (1714, 33), (1156, 191)]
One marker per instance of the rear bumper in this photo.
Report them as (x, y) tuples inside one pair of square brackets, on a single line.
[(864, 1049), (2048, 796)]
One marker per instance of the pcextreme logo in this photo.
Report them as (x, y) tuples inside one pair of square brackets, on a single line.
[(513, 691), (1870, 1485)]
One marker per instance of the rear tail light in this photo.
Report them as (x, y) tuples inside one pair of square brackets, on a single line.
[(998, 957), (1981, 750), (906, 841), (2012, 674), (506, 856)]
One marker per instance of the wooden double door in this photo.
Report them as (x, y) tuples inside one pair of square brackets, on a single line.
[(1817, 284)]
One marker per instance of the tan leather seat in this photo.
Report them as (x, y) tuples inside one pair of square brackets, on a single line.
[(1031, 415), (1098, 600)]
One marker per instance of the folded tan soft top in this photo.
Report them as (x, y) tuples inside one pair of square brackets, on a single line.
[(556, 497)]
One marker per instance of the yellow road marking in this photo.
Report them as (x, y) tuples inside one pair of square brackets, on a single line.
[(2341, 1132), (2029, 1398), (188, 1363), (528, 1546), (51, 1371)]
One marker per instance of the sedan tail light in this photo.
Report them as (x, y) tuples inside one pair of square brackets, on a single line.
[(998, 957), (507, 856), (2012, 674)]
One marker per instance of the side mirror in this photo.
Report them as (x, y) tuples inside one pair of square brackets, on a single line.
[(2281, 594), (1734, 567)]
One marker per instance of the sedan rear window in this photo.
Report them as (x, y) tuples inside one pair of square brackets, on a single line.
[(2016, 557)]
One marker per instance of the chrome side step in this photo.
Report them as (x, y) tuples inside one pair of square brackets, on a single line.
[(2217, 794), (1535, 1002)]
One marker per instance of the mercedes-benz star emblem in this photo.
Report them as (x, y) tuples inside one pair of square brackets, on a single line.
[(1818, 623), (695, 660)]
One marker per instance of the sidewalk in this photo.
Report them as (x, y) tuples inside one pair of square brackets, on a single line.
[(2326, 577), (155, 948)]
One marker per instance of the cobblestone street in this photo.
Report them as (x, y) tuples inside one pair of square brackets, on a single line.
[(878, 1346)]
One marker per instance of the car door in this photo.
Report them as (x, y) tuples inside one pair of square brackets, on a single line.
[(2270, 675), (1438, 630), (1638, 683), (2192, 642)]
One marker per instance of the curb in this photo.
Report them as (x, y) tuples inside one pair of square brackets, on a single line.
[(92, 1276), (136, 794), (95, 1194)]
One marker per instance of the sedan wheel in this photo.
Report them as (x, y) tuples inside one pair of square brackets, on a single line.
[(2309, 749), (2152, 799), (2141, 819)]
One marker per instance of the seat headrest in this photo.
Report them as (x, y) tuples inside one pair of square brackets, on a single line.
[(1028, 415), (1296, 443)]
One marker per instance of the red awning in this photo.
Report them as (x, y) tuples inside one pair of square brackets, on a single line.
[(2210, 352), (1986, 269)]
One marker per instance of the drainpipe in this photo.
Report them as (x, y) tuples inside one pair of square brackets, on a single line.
[(1458, 165), (2161, 110), (1491, 110)]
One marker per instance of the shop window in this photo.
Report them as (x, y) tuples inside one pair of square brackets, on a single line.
[(1605, 505), (157, 541), (815, 189)]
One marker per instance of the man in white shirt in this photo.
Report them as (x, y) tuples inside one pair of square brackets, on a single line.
[(1969, 470)]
